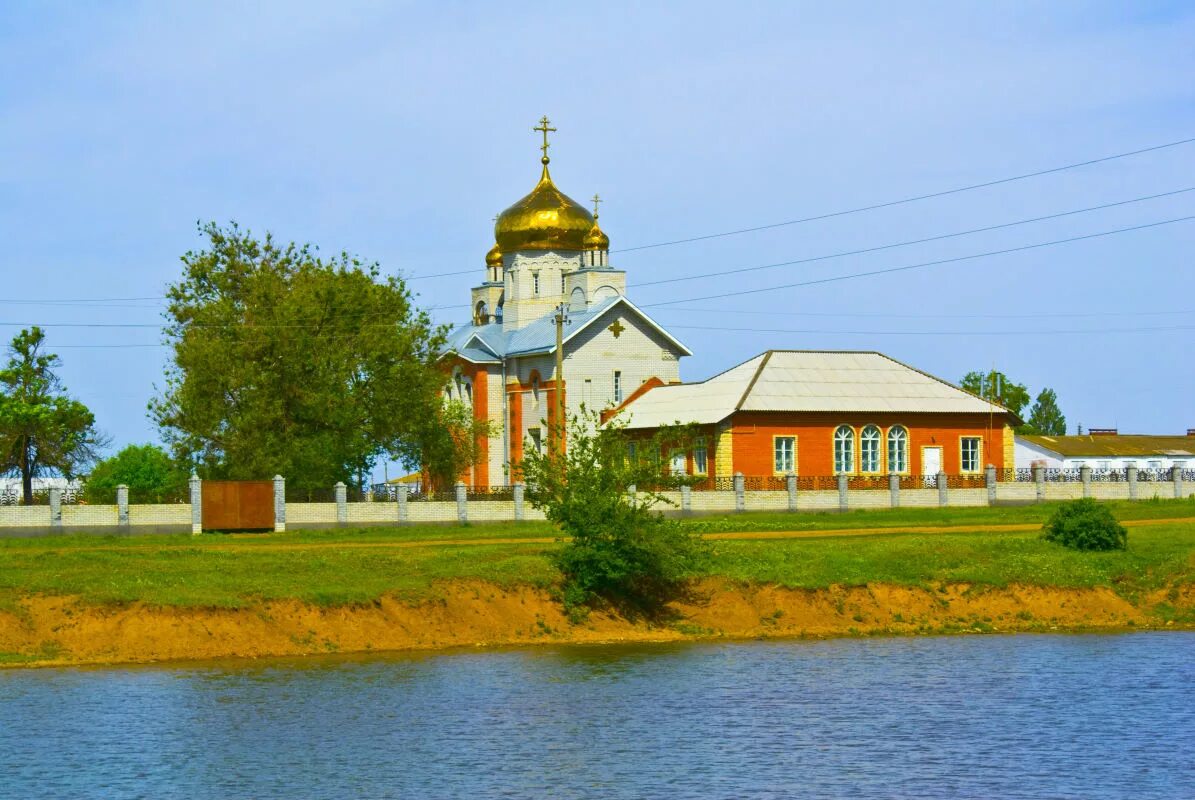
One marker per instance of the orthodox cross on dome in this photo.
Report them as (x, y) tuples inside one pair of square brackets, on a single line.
[(596, 200), (543, 128), (617, 328)]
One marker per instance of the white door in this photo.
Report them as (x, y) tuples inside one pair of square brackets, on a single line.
[(931, 464), (678, 462)]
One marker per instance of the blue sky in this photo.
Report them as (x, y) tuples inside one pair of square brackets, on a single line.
[(397, 132)]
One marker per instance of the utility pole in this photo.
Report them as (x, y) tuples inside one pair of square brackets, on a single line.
[(558, 433)]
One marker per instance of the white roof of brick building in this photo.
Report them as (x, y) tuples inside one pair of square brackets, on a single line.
[(805, 380)]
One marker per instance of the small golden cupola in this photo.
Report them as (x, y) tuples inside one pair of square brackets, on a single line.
[(546, 219), (596, 241), (493, 264)]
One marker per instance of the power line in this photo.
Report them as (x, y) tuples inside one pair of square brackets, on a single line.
[(882, 315), (914, 241), (922, 264), (913, 199), (1008, 332)]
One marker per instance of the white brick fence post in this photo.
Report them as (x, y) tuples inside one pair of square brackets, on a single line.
[(894, 491), (122, 507), (400, 497), (1176, 475), (740, 492), (55, 507), (1085, 477), (196, 487), (518, 498), (843, 490), (1131, 474), (790, 482), (279, 504), (989, 480), (1039, 478), (943, 490), (342, 504), (686, 500), (462, 503)]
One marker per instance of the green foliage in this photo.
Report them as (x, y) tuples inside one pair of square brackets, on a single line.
[(286, 363), (1045, 418), (622, 551), (150, 473), (42, 430), (996, 387), (1085, 525)]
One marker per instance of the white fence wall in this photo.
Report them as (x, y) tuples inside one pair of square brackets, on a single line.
[(33, 520)]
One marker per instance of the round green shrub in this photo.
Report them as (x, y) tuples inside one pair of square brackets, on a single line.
[(1085, 525)]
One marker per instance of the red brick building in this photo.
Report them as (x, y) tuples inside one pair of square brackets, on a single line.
[(822, 413)]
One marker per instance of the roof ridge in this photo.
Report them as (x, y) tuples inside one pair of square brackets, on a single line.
[(758, 371)]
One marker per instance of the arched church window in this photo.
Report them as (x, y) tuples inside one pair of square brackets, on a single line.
[(869, 449), (898, 449), (844, 450), (535, 283), (483, 313)]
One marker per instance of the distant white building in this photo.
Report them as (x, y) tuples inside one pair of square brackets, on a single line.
[(1106, 451)]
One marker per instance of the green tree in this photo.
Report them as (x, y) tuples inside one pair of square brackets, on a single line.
[(42, 430), (288, 363), (150, 473), (622, 551), (1045, 417), (996, 387)]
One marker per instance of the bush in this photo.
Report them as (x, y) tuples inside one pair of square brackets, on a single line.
[(622, 552), (150, 473), (1085, 525)]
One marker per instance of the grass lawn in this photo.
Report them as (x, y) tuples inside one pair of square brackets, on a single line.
[(203, 571)]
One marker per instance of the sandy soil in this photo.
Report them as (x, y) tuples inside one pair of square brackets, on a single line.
[(57, 630)]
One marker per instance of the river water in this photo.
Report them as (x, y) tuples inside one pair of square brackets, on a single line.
[(1031, 716)]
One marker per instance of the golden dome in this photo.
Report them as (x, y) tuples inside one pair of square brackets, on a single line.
[(494, 257), (596, 239), (546, 219)]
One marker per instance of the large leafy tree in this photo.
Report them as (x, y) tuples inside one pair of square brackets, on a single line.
[(1045, 417), (996, 387), (150, 473), (285, 362), (42, 429)]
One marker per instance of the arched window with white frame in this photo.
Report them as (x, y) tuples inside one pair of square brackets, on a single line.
[(869, 449), (844, 450), (898, 450)]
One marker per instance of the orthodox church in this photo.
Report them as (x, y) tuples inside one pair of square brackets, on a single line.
[(550, 254), (812, 413)]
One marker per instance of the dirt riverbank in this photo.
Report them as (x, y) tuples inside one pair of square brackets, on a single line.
[(55, 630)]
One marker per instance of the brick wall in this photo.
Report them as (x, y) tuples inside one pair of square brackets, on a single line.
[(753, 432)]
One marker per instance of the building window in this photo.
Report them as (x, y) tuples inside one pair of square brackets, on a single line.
[(898, 450), (1104, 466), (562, 283), (970, 453), (869, 449), (700, 457), (632, 452), (617, 386), (677, 462), (784, 450), (535, 283), (844, 450)]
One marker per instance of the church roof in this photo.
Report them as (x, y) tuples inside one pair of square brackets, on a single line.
[(806, 380), (540, 336)]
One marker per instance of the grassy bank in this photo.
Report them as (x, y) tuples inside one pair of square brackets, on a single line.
[(340, 567), (86, 599)]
